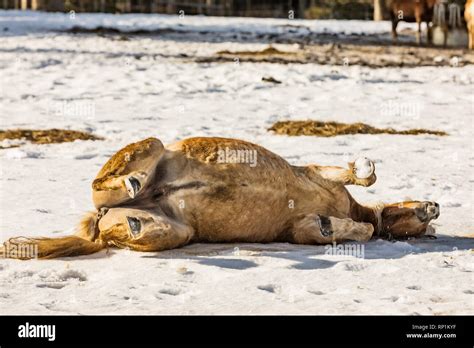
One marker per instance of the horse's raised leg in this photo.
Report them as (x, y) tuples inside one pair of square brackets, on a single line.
[(408, 219), (318, 229), (142, 230), (361, 172), (126, 173)]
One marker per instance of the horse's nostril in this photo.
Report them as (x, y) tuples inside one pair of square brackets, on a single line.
[(135, 225), (437, 205)]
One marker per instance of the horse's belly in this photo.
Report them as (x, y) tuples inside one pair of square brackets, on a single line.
[(231, 213)]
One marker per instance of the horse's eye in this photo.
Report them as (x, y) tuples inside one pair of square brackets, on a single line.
[(135, 225)]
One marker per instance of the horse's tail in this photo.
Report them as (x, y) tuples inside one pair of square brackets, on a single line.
[(84, 242)]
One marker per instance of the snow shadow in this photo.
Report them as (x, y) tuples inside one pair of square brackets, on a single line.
[(234, 263), (305, 261), (227, 263), (308, 257), (383, 249)]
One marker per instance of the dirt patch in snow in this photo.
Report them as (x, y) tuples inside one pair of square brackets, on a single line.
[(330, 129), (102, 31), (262, 53), (43, 136), (375, 56)]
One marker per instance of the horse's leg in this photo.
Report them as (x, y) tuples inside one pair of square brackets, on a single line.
[(418, 33), (470, 31), (142, 230), (361, 172), (408, 219), (429, 33), (318, 229), (126, 173), (418, 18), (397, 220), (394, 27), (471, 36)]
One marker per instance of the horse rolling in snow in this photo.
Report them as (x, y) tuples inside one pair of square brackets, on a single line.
[(149, 198)]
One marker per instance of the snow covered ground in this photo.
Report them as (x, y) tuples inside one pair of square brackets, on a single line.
[(25, 22), (126, 90)]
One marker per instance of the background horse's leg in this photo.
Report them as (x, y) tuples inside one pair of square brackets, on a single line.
[(394, 26), (418, 33), (429, 33)]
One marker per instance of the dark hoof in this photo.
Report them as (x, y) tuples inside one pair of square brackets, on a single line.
[(133, 186), (134, 226), (325, 226)]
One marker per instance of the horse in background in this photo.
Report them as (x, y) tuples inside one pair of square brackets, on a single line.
[(412, 11)]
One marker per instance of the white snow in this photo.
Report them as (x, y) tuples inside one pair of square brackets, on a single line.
[(129, 90), (25, 22)]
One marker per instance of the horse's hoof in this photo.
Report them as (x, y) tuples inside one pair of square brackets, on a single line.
[(134, 226), (133, 186), (430, 233), (427, 211), (325, 227), (363, 168)]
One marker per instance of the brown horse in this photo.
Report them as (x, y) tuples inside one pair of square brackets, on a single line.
[(412, 11), (149, 197)]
